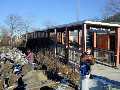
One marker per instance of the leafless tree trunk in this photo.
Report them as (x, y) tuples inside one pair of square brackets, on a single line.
[(14, 24)]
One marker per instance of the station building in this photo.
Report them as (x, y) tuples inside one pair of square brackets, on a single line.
[(102, 38)]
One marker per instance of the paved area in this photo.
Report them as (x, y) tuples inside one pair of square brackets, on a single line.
[(106, 72), (103, 77)]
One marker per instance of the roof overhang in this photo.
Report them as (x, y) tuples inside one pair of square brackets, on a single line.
[(80, 24), (102, 23)]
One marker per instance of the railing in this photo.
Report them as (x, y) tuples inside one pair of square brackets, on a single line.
[(73, 56), (61, 50), (105, 87), (105, 56), (111, 87)]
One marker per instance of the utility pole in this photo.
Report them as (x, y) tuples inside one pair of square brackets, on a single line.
[(84, 80), (77, 9)]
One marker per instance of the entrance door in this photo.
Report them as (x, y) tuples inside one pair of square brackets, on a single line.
[(102, 41)]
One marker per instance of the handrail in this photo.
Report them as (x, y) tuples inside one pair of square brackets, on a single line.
[(104, 50), (106, 57), (74, 49)]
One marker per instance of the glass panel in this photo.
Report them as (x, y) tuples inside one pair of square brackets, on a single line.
[(105, 56)]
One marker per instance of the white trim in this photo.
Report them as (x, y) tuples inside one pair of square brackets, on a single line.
[(102, 23)]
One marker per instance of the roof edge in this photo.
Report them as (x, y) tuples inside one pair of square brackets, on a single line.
[(102, 23)]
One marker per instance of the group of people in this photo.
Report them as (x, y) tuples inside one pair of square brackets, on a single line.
[(87, 60)]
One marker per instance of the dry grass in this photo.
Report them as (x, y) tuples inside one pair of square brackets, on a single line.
[(12, 79), (54, 64), (1, 85), (25, 69)]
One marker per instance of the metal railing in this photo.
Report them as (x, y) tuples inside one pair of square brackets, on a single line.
[(106, 87), (73, 56), (111, 87), (61, 50), (105, 56)]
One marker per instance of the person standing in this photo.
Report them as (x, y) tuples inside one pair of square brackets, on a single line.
[(84, 72), (30, 58), (87, 60), (90, 58)]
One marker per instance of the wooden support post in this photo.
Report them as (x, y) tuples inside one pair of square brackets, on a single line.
[(62, 37), (66, 37), (79, 38), (66, 45), (94, 39), (94, 43), (108, 42), (118, 47)]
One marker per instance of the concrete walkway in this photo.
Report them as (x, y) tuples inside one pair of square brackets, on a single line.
[(106, 72)]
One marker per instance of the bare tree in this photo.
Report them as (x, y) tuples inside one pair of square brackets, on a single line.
[(17, 25), (4, 36), (14, 23), (112, 7)]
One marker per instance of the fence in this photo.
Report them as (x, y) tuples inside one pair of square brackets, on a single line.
[(111, 87), (105, 56), (61, 50), (71, 54), (68, 56)]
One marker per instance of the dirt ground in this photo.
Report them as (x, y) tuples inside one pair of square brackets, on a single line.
[(34, 79)]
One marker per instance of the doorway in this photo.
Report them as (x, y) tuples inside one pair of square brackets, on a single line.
[(112, 42)]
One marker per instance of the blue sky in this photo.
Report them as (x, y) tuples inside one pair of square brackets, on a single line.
[(40, 12)]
